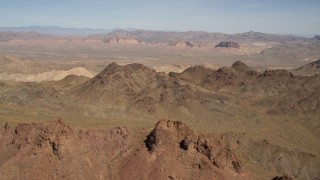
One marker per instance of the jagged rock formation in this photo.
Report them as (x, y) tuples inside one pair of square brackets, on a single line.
[(228, 45)]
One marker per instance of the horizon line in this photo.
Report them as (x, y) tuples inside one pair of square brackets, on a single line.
[(153, 30)]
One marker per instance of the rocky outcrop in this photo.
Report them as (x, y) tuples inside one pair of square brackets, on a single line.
[(179, 152), (39, 135), (175, 133), (228, 45)]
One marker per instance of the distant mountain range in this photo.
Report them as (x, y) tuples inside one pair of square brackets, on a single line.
[(55, 30), (160, 36), (201, 37)]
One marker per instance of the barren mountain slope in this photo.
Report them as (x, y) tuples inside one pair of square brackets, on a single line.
[(309, 69), (269, 119)]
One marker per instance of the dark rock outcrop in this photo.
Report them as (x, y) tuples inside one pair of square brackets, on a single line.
[(276, 73), (282, 178), (228, 45)]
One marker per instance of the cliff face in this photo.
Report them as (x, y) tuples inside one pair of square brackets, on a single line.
[(228, 45)]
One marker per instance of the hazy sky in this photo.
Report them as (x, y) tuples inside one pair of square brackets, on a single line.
[(229, 16)]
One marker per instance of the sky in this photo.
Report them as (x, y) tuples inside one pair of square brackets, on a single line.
[(228, 16)]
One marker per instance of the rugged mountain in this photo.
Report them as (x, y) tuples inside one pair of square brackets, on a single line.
[(281, 86), (239, 74), (259, 125), (136, 88), (120, 80), (132, 86), (309, 69)]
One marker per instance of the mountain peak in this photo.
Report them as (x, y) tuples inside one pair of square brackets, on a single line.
[(240, 66)]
